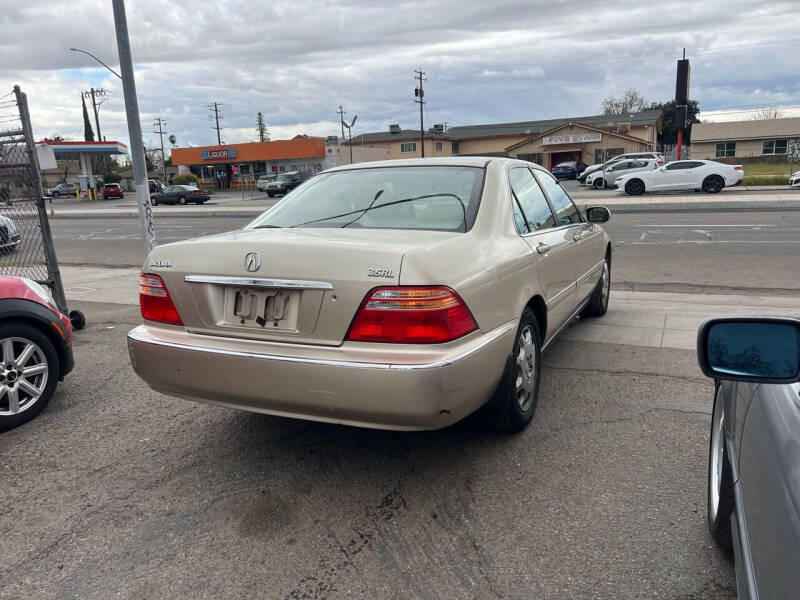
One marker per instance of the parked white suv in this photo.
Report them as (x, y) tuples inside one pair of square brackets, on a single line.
[(606, 177), (657, 156)]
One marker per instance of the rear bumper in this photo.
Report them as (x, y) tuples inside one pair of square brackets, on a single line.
[(367, 385)]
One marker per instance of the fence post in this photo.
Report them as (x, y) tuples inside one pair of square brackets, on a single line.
[(53, 272)]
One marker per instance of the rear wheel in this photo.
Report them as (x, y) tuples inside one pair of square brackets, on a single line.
[(154, 201), (598, 301), (514, 401), (720, 479), (635, 187), (713, 184), (28, 373)]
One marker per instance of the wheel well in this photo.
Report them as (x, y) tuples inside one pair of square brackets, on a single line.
[(539, 308), (714, 175), (48, 332)]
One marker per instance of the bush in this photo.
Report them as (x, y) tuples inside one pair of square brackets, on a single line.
[(765, 180), (111, 178), (185, 179)]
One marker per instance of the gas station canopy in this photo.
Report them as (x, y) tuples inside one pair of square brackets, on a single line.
[(81, 151)]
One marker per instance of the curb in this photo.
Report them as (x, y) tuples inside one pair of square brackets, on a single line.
[(708, 206), (157, 216)]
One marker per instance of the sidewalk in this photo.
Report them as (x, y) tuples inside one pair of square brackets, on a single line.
[(649, 319)]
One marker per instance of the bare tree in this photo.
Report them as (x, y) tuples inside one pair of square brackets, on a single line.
[(770, 113), (630, 101)]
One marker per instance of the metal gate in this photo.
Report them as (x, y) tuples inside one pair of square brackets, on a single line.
[(26, 242)]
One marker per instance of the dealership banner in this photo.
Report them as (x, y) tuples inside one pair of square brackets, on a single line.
[(578, 138), (219, 154)]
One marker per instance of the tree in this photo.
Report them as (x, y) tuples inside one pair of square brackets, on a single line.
[(630, 101), (669, 129), (261, 128), (172, 140), (88, 133), (770, 113), (57, 137)]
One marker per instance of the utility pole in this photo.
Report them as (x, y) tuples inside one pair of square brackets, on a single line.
[(159, 122), (215, 107), (341, 119), (134, 127), (91, 94), (420, 94)]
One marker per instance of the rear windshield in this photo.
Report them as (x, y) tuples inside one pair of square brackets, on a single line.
[(433, 198), (566, 164)]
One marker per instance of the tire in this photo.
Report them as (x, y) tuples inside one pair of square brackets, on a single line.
[(713, 184), (26, 406), (507, 410), (598, 183), (56, 195), (598, 301), (270, 195), (77, 319), (635, 187), (154, 201), (721, 502), (182, 200)]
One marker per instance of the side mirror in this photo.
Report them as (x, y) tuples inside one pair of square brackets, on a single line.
[(598, 214), (754, 349)]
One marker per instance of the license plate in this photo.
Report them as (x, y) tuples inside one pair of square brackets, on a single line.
[(262, 309)]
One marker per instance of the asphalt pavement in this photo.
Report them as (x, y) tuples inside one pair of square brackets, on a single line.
[(117, 491), (717, 252)]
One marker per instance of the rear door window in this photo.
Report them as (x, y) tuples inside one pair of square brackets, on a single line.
[(535, 211), (566, 213)]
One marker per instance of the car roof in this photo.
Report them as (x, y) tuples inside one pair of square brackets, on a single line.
[(445, 161)]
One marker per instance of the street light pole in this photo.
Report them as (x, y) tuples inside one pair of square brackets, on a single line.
[(350, 135), (97, 59), (134, 127)]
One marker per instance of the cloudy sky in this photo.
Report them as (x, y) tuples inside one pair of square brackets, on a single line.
[(296, 62)]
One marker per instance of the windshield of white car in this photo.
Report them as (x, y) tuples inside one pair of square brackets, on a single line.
[(439, 198)]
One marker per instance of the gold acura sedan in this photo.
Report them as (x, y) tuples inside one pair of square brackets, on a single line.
[(397, 294)]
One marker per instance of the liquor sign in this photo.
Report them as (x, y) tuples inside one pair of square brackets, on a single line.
[(222, 154), (578, 138)]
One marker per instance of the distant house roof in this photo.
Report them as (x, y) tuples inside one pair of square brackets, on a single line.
[(746, 130), (637, 119)]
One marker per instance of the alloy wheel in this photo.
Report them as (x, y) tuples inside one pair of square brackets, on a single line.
[(23, 375), (525, 369), (605, 286)]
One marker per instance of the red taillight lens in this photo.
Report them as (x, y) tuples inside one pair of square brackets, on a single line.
[(737, 168), (659, 162), (411, 315), (154, 301)]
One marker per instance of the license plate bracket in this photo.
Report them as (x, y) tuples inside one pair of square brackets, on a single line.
[(262, 308)]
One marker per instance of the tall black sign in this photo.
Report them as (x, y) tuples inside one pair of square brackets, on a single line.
[(682, 83)]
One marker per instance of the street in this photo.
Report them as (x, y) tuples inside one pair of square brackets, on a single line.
[(754, 252), (118, 490)]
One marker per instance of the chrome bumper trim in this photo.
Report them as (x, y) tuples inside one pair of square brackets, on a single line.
[(493, 336), (259, 282)]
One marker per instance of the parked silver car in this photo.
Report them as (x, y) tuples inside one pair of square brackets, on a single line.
[(657, 156), (62, 189), (754, 454), (606, 177)]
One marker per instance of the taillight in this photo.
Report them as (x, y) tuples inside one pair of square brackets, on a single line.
[(411, 315), (659, 162), (737, 168), (154, 301)]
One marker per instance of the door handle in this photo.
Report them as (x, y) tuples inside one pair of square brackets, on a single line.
[(543, 248)]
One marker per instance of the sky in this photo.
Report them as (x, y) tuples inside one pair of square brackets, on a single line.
[(296, 62)]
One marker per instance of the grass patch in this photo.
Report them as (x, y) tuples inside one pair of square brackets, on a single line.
[(769, 168), (765, 180)]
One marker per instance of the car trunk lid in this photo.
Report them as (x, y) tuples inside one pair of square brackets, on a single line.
[(299, 285)]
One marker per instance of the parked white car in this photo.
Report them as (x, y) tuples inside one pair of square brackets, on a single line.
[(604, 177), (706, 175), (657, 156), (9, 235), (794, 179)]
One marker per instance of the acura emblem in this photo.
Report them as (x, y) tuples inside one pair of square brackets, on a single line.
[(252, 262)]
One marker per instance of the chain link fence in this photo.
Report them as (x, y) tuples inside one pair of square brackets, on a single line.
[(26, 243)]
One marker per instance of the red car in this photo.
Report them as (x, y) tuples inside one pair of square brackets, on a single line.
[(36, 347), (112, 190)]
